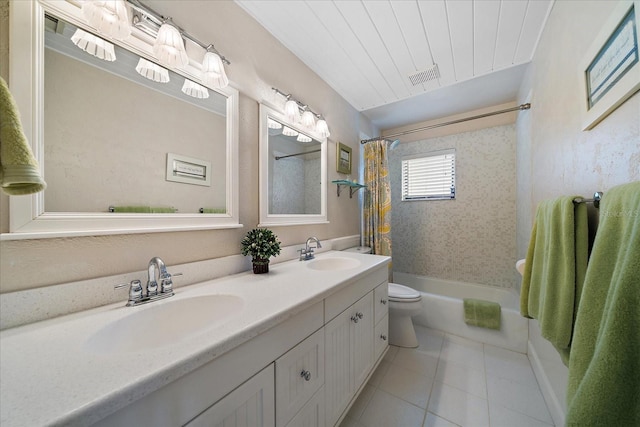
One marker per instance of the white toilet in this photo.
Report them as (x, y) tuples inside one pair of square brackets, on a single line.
[(404, 302)]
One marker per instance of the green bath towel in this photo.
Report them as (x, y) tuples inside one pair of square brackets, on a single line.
[(19, 170), (485, 314), (604, 368), (555, 268)]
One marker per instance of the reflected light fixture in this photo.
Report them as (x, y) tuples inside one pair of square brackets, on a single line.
[(213, 73), (303, 138), (194, 89), (322, 128), (109, 17), (152, 71), (94, 45), (168, 47), (308, 119), (291, 110), (272, 124), (289, 132)]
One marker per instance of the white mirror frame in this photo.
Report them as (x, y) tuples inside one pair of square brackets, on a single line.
[(266, 219), (28, 219)]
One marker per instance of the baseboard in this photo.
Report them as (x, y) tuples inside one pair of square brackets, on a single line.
[(552, 400)]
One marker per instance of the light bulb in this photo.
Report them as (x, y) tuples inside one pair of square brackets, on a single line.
[(292, 111), (308, 119), (322, 129), (169, 46), (108, 17), (213, 73)]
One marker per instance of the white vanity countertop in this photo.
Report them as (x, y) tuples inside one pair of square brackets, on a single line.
[(50, 376)]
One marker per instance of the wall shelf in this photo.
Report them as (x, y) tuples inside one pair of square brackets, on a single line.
[(353, 186)]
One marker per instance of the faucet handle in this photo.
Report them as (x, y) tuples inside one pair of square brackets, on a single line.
[(135, 290), (166, 284), (152, 287)]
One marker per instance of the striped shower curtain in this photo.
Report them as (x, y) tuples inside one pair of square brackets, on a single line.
[(377, 198)]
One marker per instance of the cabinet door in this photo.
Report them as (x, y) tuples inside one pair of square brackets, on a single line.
[(337, 372), (362, 341), (311, 414), (381, 301), (381, 337), (299, 374), (251, 404)]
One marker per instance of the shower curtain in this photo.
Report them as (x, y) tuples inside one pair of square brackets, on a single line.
[(377, 198)]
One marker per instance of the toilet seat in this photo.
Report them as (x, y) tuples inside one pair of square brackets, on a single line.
[(400, 293)]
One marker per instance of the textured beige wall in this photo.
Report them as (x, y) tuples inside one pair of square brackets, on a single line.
[(259, 62), (555, 157), (471, 238)]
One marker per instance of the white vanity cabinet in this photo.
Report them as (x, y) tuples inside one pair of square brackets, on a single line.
[(381, 314)]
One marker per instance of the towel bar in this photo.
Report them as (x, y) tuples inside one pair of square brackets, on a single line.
[(597, 196)]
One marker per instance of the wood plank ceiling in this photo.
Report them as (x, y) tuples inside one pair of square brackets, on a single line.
[(367, 49)]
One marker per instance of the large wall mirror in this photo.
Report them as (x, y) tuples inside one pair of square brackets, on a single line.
[(293, 172), (121, 153)]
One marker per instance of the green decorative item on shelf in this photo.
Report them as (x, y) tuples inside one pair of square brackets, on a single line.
[(261, 244)]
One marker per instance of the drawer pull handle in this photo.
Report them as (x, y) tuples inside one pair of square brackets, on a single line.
[(360, 315), (383, 337), (383, 301), (306, 375), (354, 318)]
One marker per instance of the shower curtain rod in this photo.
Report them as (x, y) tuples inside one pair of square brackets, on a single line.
[(298, 154), (453, 122)]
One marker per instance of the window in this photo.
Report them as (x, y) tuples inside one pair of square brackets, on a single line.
[(429, 176)]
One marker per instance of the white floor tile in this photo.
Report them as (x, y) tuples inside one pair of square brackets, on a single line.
[(462, 377), (463, 352), (385, 410), (508, 364), (504, 417), (526, 399), (407, 385), (391, 353), (458, 406), (435, 421), (361, 402), (429, 340), (378, 374), (422, 363)]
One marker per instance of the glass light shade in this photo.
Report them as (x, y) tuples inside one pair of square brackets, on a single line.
[(272, 124), (289, 132), (152, 71), (292, 111), (322, 129), (108, 17), (169, 46), (194, 89), (94, 45), (303, 138), (213, 73), (308, 119)]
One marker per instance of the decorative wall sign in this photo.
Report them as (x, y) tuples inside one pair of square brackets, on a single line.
[(610, 69), (343, 159), (188, 170)]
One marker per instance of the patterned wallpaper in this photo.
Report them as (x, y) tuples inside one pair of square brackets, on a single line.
[(472, 238)]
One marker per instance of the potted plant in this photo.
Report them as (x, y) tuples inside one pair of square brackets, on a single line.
[(261, 244)]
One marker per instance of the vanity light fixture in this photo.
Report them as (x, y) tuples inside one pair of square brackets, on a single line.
[(169, 46), (272, 124), (292, 110), (303, 138), (94, 45), (109, 17), (289, 132), (152, 71), (213, 73), (194, 89)]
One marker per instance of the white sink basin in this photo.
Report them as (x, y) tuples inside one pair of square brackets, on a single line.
[(333, 264), (161, 323)]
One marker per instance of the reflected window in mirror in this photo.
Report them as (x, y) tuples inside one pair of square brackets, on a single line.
[(293, 172)]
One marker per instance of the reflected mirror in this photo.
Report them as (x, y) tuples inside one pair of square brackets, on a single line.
[(121, 153), (293, 171)]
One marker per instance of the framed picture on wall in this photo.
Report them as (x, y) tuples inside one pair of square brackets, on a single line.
[(610, 69), (343, 159)]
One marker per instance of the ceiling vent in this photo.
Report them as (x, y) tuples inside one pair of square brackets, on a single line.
[(420, 77)]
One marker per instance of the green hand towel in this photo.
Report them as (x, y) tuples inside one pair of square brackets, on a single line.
[(132, 209), (485, 314), (554, 270), (213, 210), (604, 368), (162, 210), (19, 170)]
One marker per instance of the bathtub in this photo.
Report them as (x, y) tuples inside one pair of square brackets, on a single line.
[(443, 310)]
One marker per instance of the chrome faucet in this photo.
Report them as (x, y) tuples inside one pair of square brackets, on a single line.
[(307, 252), (137, 296)]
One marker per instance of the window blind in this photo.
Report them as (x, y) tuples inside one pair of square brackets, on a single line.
[(429, 176)]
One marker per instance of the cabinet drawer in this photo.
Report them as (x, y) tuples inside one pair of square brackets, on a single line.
[(381, 301), (299, 374), (381, 337), (312, 413), (338, 302)]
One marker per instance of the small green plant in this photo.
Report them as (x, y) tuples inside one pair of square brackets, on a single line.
[(261, 244)]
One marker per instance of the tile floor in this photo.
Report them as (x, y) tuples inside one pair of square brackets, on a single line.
[(450, 381)]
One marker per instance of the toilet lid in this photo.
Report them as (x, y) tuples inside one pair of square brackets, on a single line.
[(400, 292)]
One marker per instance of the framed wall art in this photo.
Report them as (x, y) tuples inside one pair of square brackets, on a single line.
[(343, 158)]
